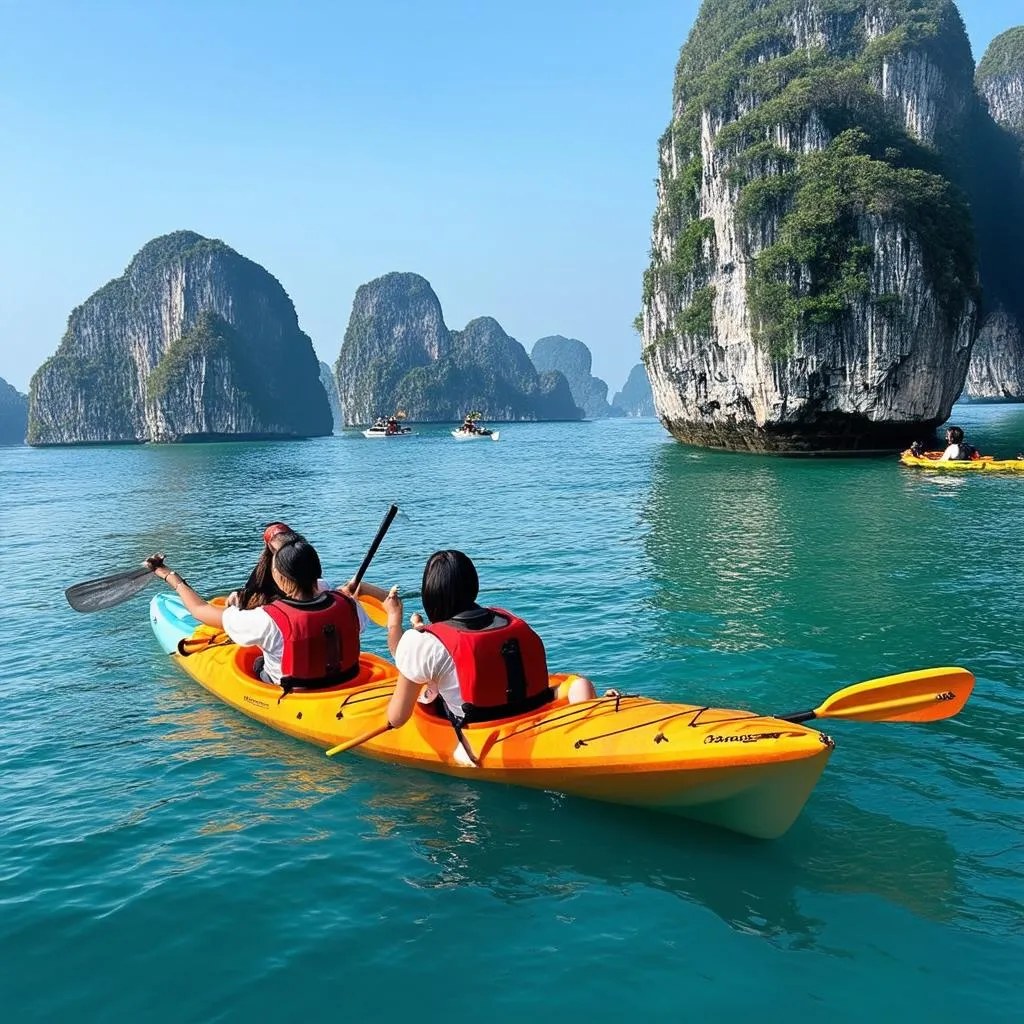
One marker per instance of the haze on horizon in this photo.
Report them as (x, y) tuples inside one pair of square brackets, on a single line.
[(507, 155)]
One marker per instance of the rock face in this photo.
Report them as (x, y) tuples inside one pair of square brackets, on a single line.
[(13, 414), (572, 359), (997, 198), (193, 342), (331, 389), (1000, 79), (399, 355), (813, 283), (635, 398)]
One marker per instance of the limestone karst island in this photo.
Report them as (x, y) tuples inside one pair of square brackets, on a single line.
[(839, 225)]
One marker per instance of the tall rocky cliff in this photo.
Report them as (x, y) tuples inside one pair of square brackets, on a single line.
[(193, 342), (573, 360), (813, 283), (331, 389), (997, 197), (399, 355), (635, 398), (13, 414)]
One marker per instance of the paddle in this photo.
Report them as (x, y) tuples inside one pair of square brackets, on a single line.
[(927, 695), (97, 595), (389, 518), (349, 744)]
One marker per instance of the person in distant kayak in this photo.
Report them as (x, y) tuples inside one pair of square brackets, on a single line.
[(468, 426), (478, 664), (957, 449), (308, 638)]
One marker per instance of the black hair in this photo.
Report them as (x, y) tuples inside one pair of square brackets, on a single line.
[(260, 588), (956, 435), (298, 561), (450, 585)]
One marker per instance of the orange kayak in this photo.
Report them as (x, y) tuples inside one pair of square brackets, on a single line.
[(736, 769)]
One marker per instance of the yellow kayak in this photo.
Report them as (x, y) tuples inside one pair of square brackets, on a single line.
[(985, 464), (740, 770), (736, 769)]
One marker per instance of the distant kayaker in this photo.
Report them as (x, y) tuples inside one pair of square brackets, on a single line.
[(957, 449), (480, 663), (308, 638)]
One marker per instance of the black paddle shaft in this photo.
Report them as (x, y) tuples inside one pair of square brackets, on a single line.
[(389, 518), (797, 716)]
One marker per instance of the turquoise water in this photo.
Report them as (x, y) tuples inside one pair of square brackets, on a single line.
[(164, 858)]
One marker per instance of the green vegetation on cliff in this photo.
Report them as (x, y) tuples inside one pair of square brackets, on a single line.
[(213, 342), (192, 340), (813, 155), (398, 354), (1004, 56)]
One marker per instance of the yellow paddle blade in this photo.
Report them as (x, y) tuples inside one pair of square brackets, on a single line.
[(374, 610), (349, 744), (926, 695)]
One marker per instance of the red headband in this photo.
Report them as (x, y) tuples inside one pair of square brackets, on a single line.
[(273, 530)]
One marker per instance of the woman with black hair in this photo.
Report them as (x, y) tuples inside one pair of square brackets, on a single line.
[(308, 637), (480, 664), (260, 588)]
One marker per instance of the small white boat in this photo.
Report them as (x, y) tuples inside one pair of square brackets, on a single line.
[(383, 432), (476, 435)]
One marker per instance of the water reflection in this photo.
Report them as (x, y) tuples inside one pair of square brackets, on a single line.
[(524, 846)]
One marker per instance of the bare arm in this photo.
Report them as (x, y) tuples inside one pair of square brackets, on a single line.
[(402, 702), (393, 607), (208, 614)]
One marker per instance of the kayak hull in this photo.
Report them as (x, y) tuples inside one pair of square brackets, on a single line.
[(986, 464), (386, 436), (748, 773)]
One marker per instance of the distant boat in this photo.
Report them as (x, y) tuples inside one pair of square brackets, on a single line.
[(383, 429), (476, 434), (383, 432)]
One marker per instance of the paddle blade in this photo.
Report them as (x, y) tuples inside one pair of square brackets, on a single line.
[(927, 695), (96, 595), (374, 610)]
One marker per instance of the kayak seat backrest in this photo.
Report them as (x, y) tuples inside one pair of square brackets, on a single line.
[(370, 671)]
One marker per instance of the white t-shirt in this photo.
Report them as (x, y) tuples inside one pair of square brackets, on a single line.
[(952, 454), (253, 627), (423, 659)]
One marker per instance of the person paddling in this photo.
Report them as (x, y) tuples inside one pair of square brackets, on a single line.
[(477, 664), (308, 638), (957, 449)]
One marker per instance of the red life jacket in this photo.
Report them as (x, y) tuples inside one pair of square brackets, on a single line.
[(502, 668), (321, 640)]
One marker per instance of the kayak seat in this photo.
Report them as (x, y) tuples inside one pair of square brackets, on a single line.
[(249, 661)]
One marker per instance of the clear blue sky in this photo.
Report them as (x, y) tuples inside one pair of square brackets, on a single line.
[(506, 152)]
